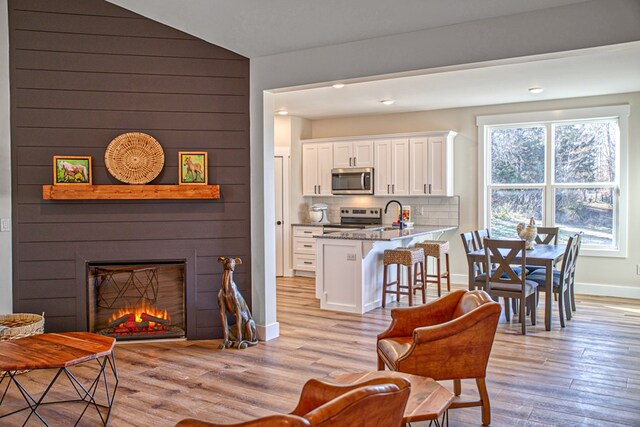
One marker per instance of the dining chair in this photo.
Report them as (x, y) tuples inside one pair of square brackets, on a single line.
[(479, 236), (573, 273), (561, 279), (547, 235), (469, 245), (504, 281)]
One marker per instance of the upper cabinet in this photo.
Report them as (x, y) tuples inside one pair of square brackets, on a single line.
[(391, 170), (353, 154), (431, 165), (409, 164), (317, 161)]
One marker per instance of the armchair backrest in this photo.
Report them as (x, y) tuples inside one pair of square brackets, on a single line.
[(470, 301), (376, 403), (269, 421)]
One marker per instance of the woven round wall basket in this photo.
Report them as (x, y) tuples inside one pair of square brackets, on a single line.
[(134, 158)]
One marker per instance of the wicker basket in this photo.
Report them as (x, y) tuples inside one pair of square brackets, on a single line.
[(20, 325), (134, 158)]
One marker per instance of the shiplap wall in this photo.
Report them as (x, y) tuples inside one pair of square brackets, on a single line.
[(83, 72)]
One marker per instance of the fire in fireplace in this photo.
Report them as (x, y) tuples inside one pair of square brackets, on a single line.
[(137, 301)]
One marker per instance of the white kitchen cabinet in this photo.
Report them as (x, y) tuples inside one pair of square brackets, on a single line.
[(350, 154), (431, 165), (317, 162), (391, 170), (304, 248)]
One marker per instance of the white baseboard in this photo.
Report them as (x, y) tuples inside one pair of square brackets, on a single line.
[(608, 290), (268, 332), (582, 288)]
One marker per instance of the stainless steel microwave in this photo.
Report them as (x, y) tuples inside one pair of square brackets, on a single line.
[(352, 181)]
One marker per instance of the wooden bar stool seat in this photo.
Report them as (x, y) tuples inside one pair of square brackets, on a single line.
[(413, 259), (437, 249)]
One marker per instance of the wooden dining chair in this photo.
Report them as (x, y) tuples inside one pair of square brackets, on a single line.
[(573, 273), (547, 235), (479, 236), (504, 281), (469, 244), (561, 279)]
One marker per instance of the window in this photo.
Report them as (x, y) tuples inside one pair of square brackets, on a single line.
[(563, 168)]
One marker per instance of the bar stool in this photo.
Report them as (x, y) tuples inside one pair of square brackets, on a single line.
[(437, 249), (413, 259)]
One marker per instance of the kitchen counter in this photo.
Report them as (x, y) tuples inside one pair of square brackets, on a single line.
[(387, 233), (349, 264)]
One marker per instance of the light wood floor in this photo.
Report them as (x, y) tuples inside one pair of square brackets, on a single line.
[(587, 374)]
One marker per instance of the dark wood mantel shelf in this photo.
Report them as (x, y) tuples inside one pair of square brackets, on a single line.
[(129, 192)]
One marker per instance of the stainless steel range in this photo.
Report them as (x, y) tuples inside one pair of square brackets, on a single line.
[(356, 218)]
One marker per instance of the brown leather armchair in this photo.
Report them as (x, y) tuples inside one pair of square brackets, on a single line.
[(270, 421), (377, 402), (447, 339)]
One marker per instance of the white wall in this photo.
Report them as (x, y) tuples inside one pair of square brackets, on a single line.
[(595, 23), (598, 275), (6, 301), (583, 25)]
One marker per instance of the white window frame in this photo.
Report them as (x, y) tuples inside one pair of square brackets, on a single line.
[(546, 118)]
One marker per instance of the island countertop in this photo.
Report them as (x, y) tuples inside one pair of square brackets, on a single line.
[(386, 233)]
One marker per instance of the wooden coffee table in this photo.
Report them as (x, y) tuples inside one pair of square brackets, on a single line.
[(59, 351), (428, 400)]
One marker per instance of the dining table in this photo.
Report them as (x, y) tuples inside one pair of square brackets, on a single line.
[(546, 256)]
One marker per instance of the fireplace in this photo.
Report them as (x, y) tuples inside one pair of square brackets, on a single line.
[(137, 300)]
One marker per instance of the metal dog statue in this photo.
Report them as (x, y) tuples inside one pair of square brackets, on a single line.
[(243, 333)]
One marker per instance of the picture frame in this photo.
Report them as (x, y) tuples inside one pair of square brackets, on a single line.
[(193, 168), (72, 170)]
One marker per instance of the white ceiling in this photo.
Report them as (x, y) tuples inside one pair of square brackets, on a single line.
[(255, 28), (590, 72)]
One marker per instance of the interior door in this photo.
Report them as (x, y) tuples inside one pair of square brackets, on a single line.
[(278, 166)]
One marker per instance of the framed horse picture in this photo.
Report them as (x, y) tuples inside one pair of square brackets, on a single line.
[(72, 170), (193, 167)]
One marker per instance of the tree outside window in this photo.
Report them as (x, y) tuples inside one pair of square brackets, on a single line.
[(560, 173)]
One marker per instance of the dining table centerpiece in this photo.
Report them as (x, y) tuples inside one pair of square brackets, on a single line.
[(528, 233)]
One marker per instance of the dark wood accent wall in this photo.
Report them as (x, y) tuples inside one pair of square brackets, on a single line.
[(82, 73)]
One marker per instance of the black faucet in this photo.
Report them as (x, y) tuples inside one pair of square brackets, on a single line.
[(400, 217)]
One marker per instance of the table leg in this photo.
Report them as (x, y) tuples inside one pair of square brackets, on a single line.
[(548, 292), (86, 394)]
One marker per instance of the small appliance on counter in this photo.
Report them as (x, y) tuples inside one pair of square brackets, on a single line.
[(318, 213)]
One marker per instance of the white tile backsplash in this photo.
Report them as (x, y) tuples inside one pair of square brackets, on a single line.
[(424, 210)]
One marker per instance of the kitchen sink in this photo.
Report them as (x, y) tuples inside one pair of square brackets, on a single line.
[(382, 228)]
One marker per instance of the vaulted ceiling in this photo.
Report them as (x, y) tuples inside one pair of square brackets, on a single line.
[(256, 28)]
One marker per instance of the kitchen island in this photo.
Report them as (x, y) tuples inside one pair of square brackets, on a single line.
[(349, 264)]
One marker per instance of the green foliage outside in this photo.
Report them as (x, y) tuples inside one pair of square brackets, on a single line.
[(585, 153)]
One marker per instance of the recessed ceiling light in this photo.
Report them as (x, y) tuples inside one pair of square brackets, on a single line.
[(283, 112), (388, 101), (338, 85), (536, 89)]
